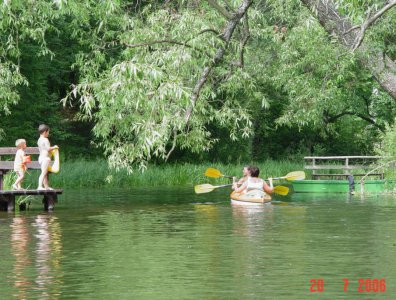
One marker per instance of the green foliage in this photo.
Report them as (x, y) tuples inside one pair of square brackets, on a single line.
[(9, 180), (20, 21), (387, 147), (139, 97), (358, 10), (133, 67), (39, 101)]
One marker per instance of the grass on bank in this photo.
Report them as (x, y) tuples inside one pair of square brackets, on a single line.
[(97, 174)]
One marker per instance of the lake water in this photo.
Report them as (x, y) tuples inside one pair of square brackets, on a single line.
[(172, 244)]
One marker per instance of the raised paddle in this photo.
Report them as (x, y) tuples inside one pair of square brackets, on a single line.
[(214, 173), (296, 175), (292, 176), (207, 188)]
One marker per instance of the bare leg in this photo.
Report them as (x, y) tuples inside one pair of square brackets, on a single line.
[(44, 172), (17, 183), (46, 181)]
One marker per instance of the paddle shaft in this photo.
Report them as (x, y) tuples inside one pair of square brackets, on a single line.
[(226, 176), (219, 186)]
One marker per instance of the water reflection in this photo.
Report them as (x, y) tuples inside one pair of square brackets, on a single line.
[(123, 248), (19, 245), (48, 250), (250, 219), (208, 212), (38, 274)]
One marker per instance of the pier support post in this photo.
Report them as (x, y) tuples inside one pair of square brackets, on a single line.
[(49, 201), (3, 203), (10, 203), (22, 206), (362, 186)]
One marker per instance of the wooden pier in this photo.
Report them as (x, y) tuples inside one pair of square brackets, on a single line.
[(7, 197)]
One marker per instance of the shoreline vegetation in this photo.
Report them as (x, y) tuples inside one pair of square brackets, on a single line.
[(83, 173), (87, 173)]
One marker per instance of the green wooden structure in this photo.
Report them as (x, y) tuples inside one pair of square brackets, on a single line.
[(330, 174), (337, 186)]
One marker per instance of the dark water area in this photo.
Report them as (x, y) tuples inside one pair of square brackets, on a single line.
[(173, 244)]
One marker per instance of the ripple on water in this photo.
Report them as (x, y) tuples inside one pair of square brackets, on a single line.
[(167, 244)]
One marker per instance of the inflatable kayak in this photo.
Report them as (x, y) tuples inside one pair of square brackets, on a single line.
[(251, 197)]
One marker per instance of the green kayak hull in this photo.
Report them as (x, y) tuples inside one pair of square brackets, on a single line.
[(341, 186)]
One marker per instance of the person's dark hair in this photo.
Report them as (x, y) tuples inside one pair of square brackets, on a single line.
[(43, 128), (254, 171)]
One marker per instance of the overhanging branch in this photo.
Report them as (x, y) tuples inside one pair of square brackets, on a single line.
[(363, 27), (220, 9), (227, 35), (165, 42), (380, 65), (332, 119)]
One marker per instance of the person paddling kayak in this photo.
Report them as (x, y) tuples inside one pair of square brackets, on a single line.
[(253, 182), (243, 179)]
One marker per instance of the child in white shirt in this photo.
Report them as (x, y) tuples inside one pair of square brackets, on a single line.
[(19, 163), (44, 158)]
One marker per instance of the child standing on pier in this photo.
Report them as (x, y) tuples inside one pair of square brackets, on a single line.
[(44, 158), (19, 163)]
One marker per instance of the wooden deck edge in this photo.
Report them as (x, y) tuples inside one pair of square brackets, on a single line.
[(30, 192)]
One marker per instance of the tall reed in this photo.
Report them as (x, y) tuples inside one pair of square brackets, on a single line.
[(82, 173)]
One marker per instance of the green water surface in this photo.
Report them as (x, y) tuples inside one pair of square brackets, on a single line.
[(172, 244)]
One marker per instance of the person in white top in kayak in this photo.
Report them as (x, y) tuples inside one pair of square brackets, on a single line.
[(242, 180), (253, 182)]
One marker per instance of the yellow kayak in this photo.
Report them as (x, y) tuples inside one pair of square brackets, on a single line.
[(251, 197)]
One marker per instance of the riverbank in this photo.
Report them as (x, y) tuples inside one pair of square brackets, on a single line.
[(83, 173)]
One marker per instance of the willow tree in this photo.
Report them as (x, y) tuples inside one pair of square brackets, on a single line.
[(155, 78), (321, 81), (358, 37)]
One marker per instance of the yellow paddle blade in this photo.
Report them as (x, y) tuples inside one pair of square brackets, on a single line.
[(203, 188), (296, 175), (213, 173), (206, 188), (281, 190)]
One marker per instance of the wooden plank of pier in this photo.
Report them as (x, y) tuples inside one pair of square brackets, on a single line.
[(7, 198), (342, 163)]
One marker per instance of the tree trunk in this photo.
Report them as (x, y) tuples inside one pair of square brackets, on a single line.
[(380, 65)]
